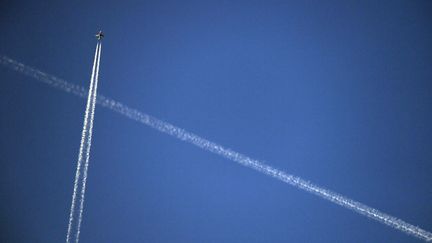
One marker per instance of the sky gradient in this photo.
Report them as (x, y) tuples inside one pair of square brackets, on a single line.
[(336, 93)]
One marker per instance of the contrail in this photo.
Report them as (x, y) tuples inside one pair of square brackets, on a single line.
[(205, 144), (89, 140), (81, 151), (84, 146)]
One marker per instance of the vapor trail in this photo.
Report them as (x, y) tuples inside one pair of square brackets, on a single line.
[(84, 152), (83, 144), (89, 140), (224, 152)]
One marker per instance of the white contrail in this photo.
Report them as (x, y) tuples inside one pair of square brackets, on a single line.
[(224, 152), (83, 145), (89, 141)]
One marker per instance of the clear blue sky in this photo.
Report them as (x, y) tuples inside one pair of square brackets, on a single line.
[(336, 92)]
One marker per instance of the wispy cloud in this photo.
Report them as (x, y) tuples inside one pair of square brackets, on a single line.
[(232, 155)]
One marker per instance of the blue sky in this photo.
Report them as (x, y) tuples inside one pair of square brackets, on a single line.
[(336, 92)]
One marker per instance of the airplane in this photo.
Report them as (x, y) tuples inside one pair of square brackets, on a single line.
[(99, 35)]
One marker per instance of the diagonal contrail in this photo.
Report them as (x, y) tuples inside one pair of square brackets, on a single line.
[(222, 151), (83, 145), (92, 96), (84, 154)]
